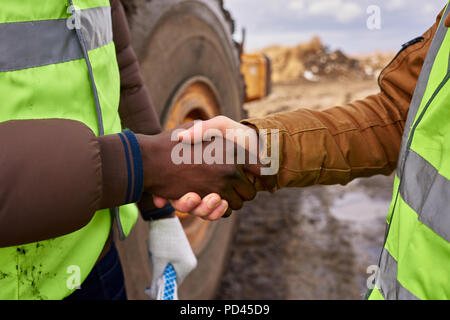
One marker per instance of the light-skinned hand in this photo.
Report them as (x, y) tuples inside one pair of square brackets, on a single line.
[(212, 207)]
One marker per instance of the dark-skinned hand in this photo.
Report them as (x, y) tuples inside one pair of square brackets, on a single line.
[(165, 179)]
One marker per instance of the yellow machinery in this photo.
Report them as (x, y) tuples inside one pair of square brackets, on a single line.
[(257, 75)]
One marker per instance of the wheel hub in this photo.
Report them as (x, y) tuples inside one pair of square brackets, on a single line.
[(196, 99)]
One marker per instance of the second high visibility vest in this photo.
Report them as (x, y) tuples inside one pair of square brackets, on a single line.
[(415, 260)]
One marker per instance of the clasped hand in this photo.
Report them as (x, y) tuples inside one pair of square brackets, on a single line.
[(209, 187)]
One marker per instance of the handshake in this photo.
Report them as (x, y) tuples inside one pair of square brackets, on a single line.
[(209, 168)]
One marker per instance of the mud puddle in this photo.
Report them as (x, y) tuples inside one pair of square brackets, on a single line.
[(313, 243)]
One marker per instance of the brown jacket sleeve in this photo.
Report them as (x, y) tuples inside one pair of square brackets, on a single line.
[(55, 174), (360, 139), (135, 108)]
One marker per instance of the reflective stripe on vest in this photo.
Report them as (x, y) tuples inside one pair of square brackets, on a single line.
[(51, 41), (47, 73), (414, 261)]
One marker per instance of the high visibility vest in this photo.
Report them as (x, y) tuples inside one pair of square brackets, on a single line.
[(57, 60), (415, 260)]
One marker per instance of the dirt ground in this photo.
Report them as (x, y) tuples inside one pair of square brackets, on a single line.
[(311, 243)]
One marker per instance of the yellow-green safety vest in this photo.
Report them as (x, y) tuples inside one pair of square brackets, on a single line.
[(415, 260), (58, 60)]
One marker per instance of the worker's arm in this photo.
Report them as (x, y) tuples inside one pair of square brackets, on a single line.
[(360, 139), (135, 109), (55, 174)]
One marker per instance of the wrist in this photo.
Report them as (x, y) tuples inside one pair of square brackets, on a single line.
[(147, 145), (122, 172)]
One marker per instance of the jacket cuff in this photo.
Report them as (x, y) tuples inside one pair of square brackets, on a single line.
[(122, 171), (263, 128), (156, 214), (150, 212)]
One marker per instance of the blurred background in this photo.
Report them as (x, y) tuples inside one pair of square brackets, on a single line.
[(316, 243), (341, 24)]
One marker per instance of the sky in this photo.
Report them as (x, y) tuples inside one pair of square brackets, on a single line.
[(342, 24)]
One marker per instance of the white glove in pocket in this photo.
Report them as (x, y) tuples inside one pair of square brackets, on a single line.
[(168, 244)]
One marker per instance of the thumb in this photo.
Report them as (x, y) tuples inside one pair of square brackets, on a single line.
[(159, 202), (210, 128), (260, 182), (194, 134)]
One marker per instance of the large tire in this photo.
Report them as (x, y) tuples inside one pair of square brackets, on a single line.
[(180, 42)]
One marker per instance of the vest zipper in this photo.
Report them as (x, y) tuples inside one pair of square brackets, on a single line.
[(82, 42), (115, 214)]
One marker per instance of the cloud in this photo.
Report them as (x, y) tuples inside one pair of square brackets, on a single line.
[(342, 11), (341, 23), (393, 5), (429, 8), (297, 5)]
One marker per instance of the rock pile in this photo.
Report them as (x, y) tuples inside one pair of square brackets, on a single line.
[(313, 61)]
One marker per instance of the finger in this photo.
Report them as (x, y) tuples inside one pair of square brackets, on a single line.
[(219, 212), (195, 133), (243, 187), (268, 182), (208, 206), (159, 202), (187, 203), (254, 169), (235, 202), (228, 213)]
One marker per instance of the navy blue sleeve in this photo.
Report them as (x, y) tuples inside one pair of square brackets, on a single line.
[(135, 183)]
